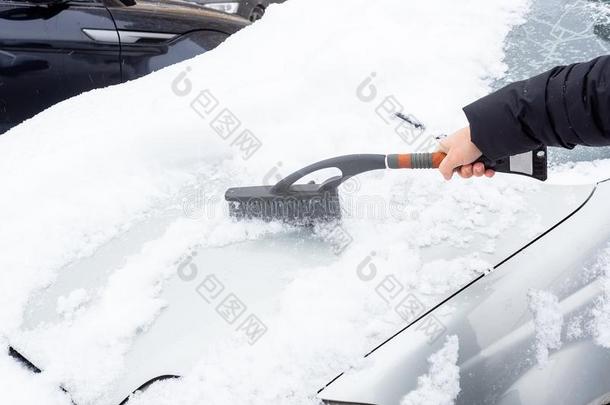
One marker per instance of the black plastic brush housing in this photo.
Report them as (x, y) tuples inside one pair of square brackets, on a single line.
[(304, 204), (301, 203)]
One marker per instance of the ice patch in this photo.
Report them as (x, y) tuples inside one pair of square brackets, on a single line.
[(441, 385)]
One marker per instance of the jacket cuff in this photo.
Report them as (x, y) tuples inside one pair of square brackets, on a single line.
[(494, 124)]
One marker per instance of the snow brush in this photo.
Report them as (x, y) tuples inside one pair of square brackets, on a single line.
[(304, 204)]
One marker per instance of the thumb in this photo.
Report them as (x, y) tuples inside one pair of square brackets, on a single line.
[(448, 165)]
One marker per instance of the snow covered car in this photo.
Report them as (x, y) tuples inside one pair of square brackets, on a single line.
[(123, 279), (251, 9)]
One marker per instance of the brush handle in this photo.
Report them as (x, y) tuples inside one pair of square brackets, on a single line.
[(426, 161), (433, 161), (416, 160), (532, 164)]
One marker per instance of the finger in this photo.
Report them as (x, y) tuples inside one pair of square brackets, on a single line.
[(466, 171), (448, 165), (490, 173), (479, 169)]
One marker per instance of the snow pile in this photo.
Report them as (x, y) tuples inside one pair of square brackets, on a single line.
[(548, 321), (593, 321), (441, 385), (575, 328), (601, 312), (69, 306)]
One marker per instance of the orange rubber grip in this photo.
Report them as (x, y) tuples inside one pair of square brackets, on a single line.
[(416, 160)]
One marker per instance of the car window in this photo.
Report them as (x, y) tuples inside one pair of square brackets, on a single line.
[(213, 38), (559, 32)]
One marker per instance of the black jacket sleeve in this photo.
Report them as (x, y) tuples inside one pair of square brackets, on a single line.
[(566, 106)]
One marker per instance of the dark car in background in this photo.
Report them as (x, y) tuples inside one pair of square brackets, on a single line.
[(51, 50), (251, 9)]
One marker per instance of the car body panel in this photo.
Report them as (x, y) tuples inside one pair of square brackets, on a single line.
[(496, 332), (140, 59), (183, 31), (178, 17)]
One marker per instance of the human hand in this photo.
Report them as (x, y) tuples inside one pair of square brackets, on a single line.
[(461, 153)]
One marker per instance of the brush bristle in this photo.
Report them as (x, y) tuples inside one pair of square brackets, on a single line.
[(302, 208)]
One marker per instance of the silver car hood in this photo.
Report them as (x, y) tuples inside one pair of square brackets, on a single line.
[(496, 331), (490, 314)]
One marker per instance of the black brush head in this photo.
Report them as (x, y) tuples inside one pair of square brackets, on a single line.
[(302, 204)]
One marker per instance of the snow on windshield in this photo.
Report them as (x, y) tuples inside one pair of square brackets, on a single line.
[(91, 168)]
